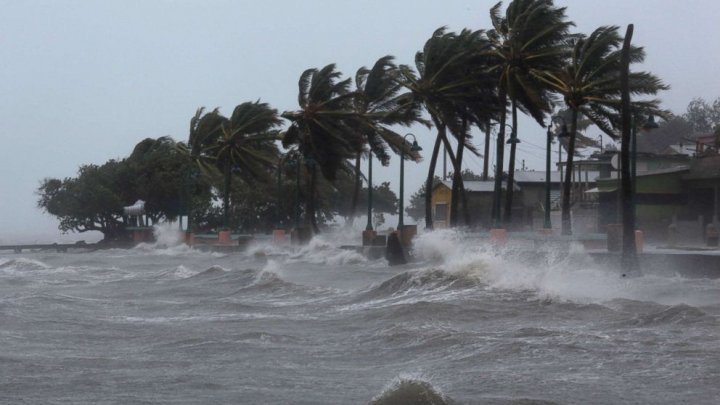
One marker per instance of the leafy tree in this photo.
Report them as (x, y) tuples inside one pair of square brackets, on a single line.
[(160, 177), (416, 206), (702, 116), (529, 38), (589, 84), (89, 202)]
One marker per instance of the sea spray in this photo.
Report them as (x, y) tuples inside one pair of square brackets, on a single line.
[(167, 235), (567, 273)]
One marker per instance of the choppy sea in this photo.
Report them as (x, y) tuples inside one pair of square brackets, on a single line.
[(462, 324)]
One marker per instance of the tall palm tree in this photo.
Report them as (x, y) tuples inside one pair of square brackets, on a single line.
[(590, 86), (528, 38), (242, 145), (381, 104), (324, 128), (449, 83)]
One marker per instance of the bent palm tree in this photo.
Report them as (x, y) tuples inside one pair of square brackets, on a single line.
[(324, 128), (380, 105), (590, 85), (242, 144), (451, 84), (529, 38)]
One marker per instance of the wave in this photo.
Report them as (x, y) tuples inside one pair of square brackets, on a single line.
[(24, 264), (567, 274), (675, 314), (424, 280), (410, 391), (324, 249)]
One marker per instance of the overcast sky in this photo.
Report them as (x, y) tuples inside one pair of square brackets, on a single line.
[(84, 81)]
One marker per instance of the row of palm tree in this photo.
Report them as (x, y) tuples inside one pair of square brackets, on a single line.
[(529, 61)]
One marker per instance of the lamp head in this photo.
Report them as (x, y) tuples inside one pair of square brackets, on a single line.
[(563, 131), (415, 147), (650, 123)]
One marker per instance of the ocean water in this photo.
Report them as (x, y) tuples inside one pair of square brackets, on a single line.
[(463, 324)]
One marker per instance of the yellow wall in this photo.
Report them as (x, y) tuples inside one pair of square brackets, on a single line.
[(441, 195)]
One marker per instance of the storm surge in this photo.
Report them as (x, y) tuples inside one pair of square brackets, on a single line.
[(463, 323)]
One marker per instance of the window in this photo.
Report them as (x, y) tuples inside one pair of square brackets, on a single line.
[(441, 212)]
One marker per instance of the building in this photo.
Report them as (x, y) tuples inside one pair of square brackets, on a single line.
[(480, 198)]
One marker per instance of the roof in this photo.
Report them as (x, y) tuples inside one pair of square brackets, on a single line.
[(136, 209), (477, 186), (536, 177)]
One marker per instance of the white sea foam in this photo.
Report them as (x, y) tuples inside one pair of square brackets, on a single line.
[(571, 276)]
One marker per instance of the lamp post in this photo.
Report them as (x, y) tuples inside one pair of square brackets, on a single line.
[(297, 192), (369, 226), (547, 224), (278, 221), (413, 148), (600, 138)]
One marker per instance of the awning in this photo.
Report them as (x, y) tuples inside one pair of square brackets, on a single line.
[(596, 190), (136, 209)]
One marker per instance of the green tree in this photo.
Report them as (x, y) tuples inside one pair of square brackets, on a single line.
[(702, 116), (324, 129), (529, 38), (92, 201), (589, 84), (160, 173), (415, 208)]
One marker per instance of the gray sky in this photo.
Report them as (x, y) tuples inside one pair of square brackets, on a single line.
[(84, 81)]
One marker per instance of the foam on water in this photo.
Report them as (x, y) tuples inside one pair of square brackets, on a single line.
[(23, 263), (325, 249), (571, 276)]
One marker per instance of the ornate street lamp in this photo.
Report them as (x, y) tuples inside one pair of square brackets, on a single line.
[(369, 226), (297, 192), (413, 148)]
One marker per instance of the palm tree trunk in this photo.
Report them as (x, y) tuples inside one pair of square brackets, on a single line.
[(486, 161), (511, 170), (356, 192), (430, 177), (457, 184), (226, 197), (566, 221), (311, 200), (497, 194), (629, 259)]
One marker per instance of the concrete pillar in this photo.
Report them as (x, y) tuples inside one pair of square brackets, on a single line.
[(224, 237), (368, 236), (407, 233), (278, 236), (498, 236)]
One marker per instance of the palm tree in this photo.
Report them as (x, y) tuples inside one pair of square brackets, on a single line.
[(242, 145), (380, 104), (451, 85), (590, 86), (528, 38), (324, 128)]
